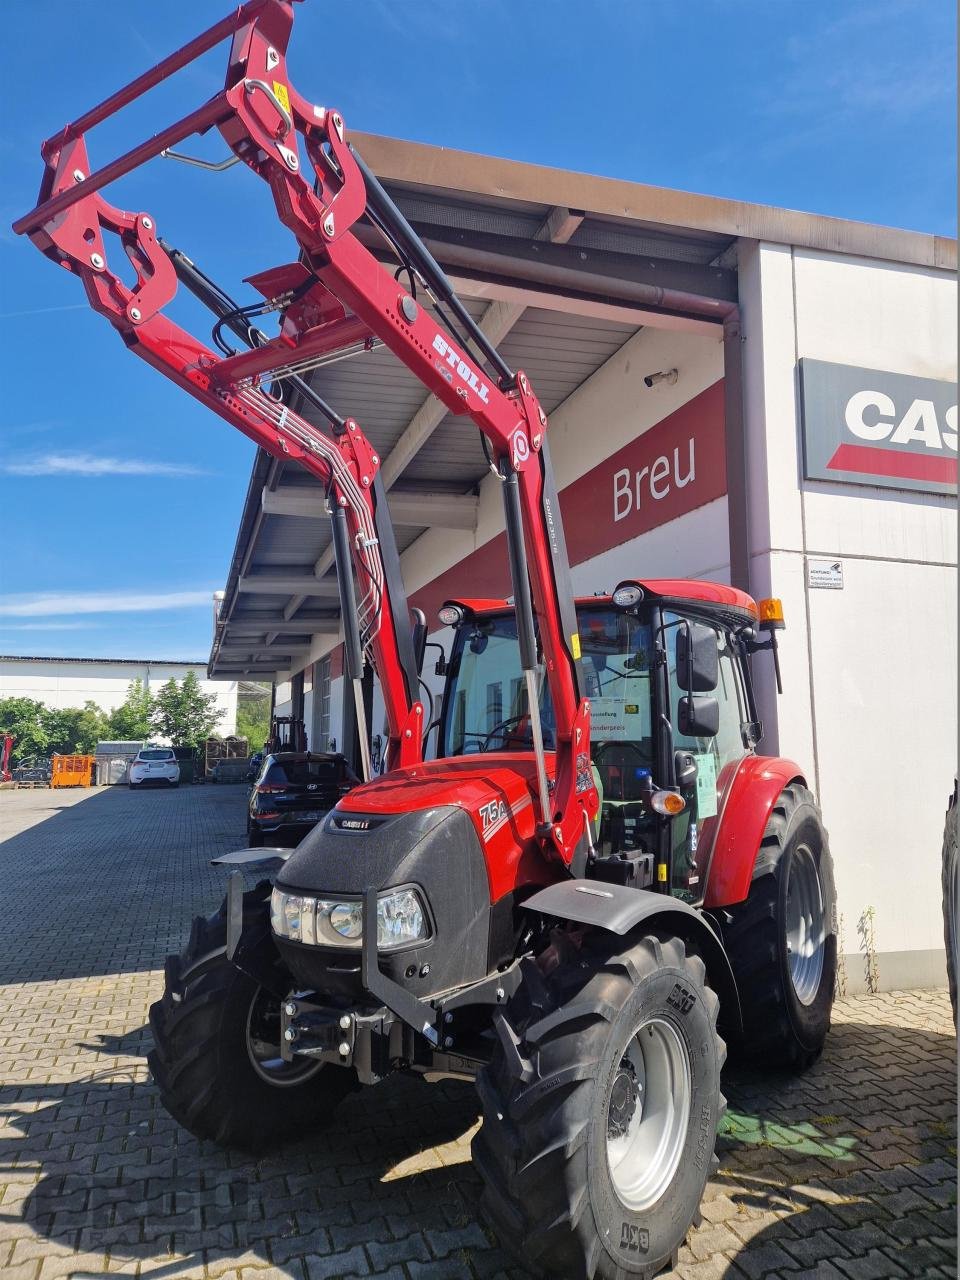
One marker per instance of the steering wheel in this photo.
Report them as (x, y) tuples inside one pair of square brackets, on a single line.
[(499, 728)]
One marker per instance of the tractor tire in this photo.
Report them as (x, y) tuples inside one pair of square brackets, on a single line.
[(950, 884), (216, 1055), (579, 1178), (782, 941)]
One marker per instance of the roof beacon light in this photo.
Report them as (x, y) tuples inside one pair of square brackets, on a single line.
[(627, 595), (771, 615), (451, 615)]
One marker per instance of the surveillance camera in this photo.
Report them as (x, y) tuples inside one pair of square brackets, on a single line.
[(669, 377)]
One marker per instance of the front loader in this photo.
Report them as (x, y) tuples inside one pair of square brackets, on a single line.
[(597, 878)]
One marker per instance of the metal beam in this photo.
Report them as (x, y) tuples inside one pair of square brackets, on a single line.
[(488, 288), (622, 275), (413, 510), (496, 322), (282, 656), (266, 584)]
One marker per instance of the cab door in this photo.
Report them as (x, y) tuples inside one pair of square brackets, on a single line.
[(715, 755)]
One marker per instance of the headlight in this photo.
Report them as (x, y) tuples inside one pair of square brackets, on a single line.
[(401, 919)]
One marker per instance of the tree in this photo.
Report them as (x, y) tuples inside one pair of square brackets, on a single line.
[(130, 722), (25, 719), (253, 719), (75, 729), (184, 713)]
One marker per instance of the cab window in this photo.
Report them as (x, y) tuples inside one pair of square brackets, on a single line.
[(712, 754)]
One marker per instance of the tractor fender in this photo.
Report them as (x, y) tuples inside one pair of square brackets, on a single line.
[(754, 791), (620, 909)]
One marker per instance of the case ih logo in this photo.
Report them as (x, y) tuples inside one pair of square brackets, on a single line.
[(863, 426)]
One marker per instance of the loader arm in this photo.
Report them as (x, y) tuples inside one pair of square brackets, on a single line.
[(333, 299)]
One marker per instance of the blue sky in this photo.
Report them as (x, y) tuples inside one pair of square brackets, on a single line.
[(120, 496)]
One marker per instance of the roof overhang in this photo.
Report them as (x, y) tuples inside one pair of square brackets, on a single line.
[(560, 269)]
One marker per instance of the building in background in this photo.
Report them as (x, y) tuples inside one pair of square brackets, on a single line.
[(70, 682), (802, 444)]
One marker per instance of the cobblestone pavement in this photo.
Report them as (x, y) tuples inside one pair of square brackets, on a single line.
[(845, 1173)]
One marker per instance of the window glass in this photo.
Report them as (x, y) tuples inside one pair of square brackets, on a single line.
[(303, 772), (156, 755), (710, 753), (488, 703)]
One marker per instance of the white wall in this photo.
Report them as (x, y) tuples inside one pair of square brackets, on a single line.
[(63, 683), (870, 672)]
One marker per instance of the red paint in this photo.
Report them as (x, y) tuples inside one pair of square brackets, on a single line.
[(470, 783), (893, 462), (320, 205), (587, 504), (336, 662), (667, 588), (746, 807), (486, 570), (659, 456)]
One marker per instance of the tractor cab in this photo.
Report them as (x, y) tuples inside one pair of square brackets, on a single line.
[(672, 713)]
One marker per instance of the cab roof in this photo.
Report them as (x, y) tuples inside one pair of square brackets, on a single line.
[(712, 597)]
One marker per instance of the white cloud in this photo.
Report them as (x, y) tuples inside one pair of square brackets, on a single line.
[(51, 603), (49, 626), (86, 464)]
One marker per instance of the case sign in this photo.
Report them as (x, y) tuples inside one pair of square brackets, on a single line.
[(866, 426)]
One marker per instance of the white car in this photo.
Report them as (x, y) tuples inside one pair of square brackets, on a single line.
[(154, 764)]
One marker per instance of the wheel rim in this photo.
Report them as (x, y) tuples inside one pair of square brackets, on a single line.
[(263, 1045), (806, 935), (648, 1110)]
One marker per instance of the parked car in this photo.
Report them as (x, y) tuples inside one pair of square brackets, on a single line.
[(154, 764), (293, 791)]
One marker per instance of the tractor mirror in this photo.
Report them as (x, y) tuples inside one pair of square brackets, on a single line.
[(419, 638), (698, 717), (685, 769), (698, 658)]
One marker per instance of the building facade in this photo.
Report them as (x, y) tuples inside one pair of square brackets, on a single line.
[(802, 444), (70, 682)]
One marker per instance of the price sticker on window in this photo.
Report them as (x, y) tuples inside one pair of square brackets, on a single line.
[(706, 785)]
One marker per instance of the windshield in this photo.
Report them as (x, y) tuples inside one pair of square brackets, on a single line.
[(156, 755), (305, 772), (486, 708)]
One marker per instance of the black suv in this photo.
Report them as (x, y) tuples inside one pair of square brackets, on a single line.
[(293, 791)]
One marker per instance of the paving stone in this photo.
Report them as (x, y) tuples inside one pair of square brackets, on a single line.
[(837, 1174), (351, 1262)]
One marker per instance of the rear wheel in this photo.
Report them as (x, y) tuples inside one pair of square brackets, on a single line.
[(255, 837), (782, 941), (216, 1032), (600, 1110), (951, 893)]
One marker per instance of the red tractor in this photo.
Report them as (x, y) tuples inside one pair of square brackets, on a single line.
[(597, 878)]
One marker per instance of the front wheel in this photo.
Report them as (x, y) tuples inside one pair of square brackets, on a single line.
[(216, 1032), (782, 942), (600, 1110)]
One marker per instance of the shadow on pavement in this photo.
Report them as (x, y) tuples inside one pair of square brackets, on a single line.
[(110, 883), (853, 1160), (852, 1163)]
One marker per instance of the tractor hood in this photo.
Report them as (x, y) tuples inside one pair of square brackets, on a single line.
[(461, 833), (496, 790)]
